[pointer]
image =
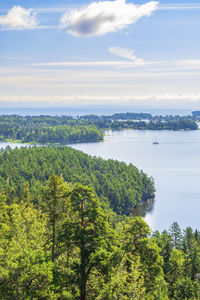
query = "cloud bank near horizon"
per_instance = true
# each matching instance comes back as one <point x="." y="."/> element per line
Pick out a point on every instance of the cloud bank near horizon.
<point x="100" y="18"/>
<point x="84" y="99"/>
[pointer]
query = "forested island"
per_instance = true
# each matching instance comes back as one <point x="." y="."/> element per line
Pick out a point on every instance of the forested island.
<point x="83" y="129"/>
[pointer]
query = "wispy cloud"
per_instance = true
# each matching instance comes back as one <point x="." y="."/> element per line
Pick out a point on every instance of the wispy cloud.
<point x="179" y="6"/>
<point x="123" y="52"/>
<point x="19" y="18"/>
<point x="126" y="53"/>
<point x="101" y="64"/>
<point x="100" y="18"/>
<point x="133" y="62"/>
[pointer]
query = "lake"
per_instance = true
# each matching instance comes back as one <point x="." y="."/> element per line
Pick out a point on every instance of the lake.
<point x="174" y="165"/>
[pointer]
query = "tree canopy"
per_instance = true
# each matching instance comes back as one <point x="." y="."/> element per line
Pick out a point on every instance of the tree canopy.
<point x="119" y="186"/>
<point x="69" y="247"/>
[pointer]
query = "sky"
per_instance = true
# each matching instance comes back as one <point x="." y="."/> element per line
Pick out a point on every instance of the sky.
<point x="119" y="52"/>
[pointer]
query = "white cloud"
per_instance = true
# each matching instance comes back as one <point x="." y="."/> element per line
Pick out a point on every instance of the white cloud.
<point x="100" y="18"/>
<point x="19" y="18"/>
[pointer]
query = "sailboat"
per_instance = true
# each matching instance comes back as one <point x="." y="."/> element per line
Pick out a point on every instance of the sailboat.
<point x="155" y="142"/>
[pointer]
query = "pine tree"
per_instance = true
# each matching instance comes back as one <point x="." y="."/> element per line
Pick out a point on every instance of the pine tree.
<point x="55" y="205"/>
<point x="86" y="227"/>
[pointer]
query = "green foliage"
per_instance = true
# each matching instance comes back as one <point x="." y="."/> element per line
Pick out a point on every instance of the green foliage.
<point x="176" y="235"/>
<point x="67" y="130"/>
<point x="186" y="289"/>
<point x="118" y="185"/>
<point x="63" y="240"/>
<point x="155" y="123"/>
<point x="47" y="129"/>
<point x="143" y="121"/>
<point x="67" y="247"/>
<point x="86" y="228"/>
<point x="25" y="272"/>
<point x="60" y="241"/>
<point x="126" y="282"/>
<point x="55" y="206"/>
<point x="138" y="244"/>
<point x="181" y="256"/>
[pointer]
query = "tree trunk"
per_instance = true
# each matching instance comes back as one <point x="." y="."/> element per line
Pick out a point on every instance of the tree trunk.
<point x="83" y="274"/>
<point x="53" y="242"/>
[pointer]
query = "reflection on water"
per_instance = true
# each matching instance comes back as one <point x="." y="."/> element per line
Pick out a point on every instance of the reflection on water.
<point x="144" y="208"/>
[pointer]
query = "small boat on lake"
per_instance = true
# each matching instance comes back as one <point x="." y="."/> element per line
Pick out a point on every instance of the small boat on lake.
<point x="155" y="142"/>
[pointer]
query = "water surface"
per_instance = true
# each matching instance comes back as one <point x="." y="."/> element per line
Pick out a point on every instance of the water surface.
<point x="174" y="165"/>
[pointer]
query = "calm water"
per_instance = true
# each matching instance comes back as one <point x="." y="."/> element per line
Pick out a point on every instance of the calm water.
<point x="97" y="110"/>
<point x="174" y="165"/>
<point x="3" y="145"/>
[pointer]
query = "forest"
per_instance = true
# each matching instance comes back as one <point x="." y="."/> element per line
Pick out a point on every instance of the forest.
<point x="118" y="185"/>
<point x="65" y="130"/>
<point x="67" y="246"/>
<point x="182" y="124"/>
<point x="47" y="129"/>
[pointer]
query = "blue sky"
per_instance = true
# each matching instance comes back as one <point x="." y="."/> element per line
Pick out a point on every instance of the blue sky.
<point x="106" y="52"/>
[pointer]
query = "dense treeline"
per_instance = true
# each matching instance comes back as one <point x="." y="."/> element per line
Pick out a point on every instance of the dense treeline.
<point x="89" y="128"/>
<point x="118" y="185"/>
<point x="68" y="247"/>
<point x="181" y="261"/>
<point x="119" y="116"/>
<point x="48" y="129"/>
<point x="63" y="134"/>
<point x="138" y="116"/>
<point x="142" y="121"/>
<point x="182" y="124"/>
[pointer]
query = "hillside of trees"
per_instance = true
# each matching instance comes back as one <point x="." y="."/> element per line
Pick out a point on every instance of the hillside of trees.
<point x="118" y="185"/>
<point x="67" y="232"/>
<point x="67" y="246"/>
